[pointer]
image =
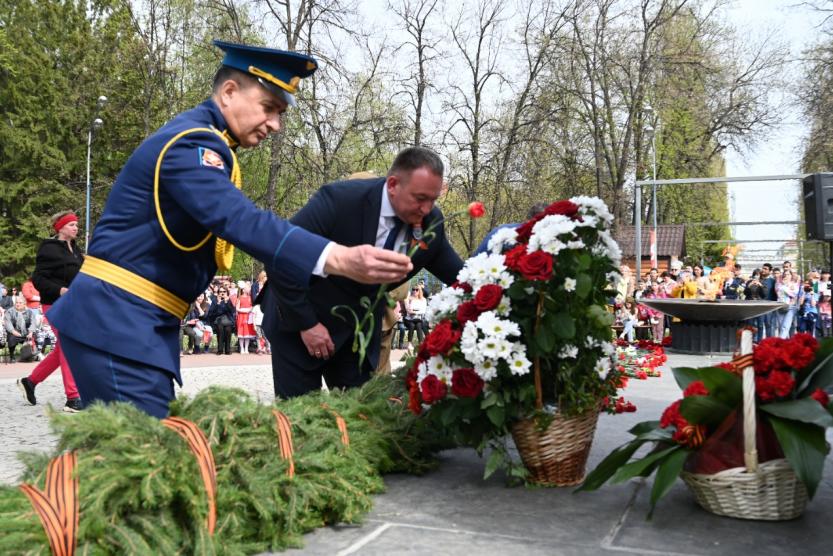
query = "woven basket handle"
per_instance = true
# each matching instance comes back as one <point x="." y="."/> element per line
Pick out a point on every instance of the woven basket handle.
<point x="750" y="448"/>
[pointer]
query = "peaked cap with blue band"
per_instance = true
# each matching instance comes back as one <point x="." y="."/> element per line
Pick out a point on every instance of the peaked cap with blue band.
<point x="277" y="70"/>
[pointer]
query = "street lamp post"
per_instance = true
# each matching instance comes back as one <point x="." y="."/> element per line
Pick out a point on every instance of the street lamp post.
<point x="95" y="125"/>
<point x="651" y="132"/>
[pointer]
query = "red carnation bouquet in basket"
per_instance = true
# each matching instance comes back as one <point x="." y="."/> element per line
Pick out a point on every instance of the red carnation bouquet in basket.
<point x="748" y="437"/>
<point x="521" y="342"/>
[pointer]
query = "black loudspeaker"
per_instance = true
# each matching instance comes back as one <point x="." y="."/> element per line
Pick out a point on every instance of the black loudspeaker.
<point x="817" y="190"/>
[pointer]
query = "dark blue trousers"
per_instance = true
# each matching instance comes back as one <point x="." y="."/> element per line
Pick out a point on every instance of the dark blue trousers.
<point x="104" y="377"/>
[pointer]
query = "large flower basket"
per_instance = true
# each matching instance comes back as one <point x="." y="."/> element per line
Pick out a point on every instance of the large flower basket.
<point x="768" y="491"/>
<point x="556" y="455"/>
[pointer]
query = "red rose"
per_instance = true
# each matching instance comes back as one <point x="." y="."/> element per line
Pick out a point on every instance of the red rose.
<point x="466" y="312"/>
<point x="488" y="297"/>
<point x="536" y="266"/>
<point x="465" y="286"/>
<point x="476" y="209"/>
<point x="566" y="208"/>
<point x="414" y="402"/>
<point x="821" y="396"/>
<point x="433" y="389"/>
<point x="512" y="257"/>
<point x="696" y="388"/>
<point x="441" y="339"/>
<point x="524" y="231"/>
<point x="465" y="383"/>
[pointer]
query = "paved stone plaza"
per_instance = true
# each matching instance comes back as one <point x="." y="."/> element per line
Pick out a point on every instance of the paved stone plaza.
<point x="453" y="511"/>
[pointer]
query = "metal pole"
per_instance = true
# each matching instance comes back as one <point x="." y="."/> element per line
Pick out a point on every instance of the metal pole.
<point x="654" y="174"/>
<point x="637" y="209"/>
<point x="87" y="211"/>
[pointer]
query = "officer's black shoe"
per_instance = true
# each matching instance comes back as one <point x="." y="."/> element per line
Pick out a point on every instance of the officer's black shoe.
<point x="73" y="405"/>
<point x="28" y="388"/>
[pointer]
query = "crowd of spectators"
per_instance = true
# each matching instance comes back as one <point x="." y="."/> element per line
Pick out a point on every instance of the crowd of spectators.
<point x="807" y="301"/>
<point x="24" y="330"/>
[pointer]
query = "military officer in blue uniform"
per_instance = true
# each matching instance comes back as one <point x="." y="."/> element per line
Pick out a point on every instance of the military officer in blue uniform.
<point x="169" y="223"/>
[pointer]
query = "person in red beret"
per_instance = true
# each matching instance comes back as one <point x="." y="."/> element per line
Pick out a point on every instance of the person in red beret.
<point x="57" y="262"/>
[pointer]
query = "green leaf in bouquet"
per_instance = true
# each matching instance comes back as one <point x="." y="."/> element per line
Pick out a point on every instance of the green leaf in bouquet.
<point x="583" y="285"/>
<point x="805" y="448"/>
<point x="565" y="326"/>
<point x="643" y="427"/>
<point x="489" y="400"/>
<point x="450" y="413"/>
<point x="517" y="291"/>
<point x="601" y="316"/>
<point x="667" y="473"/>
<point x="583" y="261"/>
<point x="820" y="373"/>
<point x="494" y="463"/>
<point x="497" y="415"/>
<point x="545" y="339"/>
<point x="659" y="435"/>
<point x="720" y="383"/>
<point x="704" y="410"/>
<point x="806" y="410"/>
<point x="608" y="466"/>
<point x="640" y="466"/>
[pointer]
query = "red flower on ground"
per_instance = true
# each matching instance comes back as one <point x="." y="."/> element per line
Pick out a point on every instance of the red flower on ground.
<point x="536" y="266"/>
<point x="565" y="208"/>
<point x="488" y="297"/>
<point x="466" y="312"/>
<point x="476" y="209"/>
<point x="465" y="383"/>
<point x="821" y="396"/>
<point x="441" y="339"/>
<point x="433" y="389"/>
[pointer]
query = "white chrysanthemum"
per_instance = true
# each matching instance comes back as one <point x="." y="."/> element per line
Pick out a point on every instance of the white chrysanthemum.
<point x="485" y="268"/>
<point x="546" y="232"/>
<point x="587" y="221"/>
<point x="439" y="367"/>
<point x="518" y="363"/>
<point x="603" y="366"/>
<point x="591" y="342"/>
<point x="468" y="342"/>
<point x="504" y="308"/>
<point x="492" y="325"/>
<point x="443" y="303"/>
<point x="486" y="369"/>
<point x="490" y="347"/>
<point x="505" y="279"/>
<point x="575" y="244"/>
<point x="613" y="277"/>
<point x="608" y="348"/>
<point x="569" y="284"/>
<point x="501" y="239"/>
<point x="612" y="248"/>
<point x="568" y="352"/>
<point x="590" y="205"/>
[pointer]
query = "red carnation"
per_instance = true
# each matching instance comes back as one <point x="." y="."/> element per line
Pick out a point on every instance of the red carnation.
<point x="777" y="384"/>
<point x="465" y="383"/>
<point x="800" y="351"/>
<point x="488" y="297"/>
<point x="696" y="388"/>
<point x="566" y="208"/>
<point x="536" y="266"/>
<point x="433" y="389"/>
<point x="821" y="396"/>
<point x="414" y="402"/>
<point x="769" y="355"/>
<point x="466" y="312"/>
<point x="671" y="416"/>
<point x="476" y="209"/>
<point x="441" y="339"/>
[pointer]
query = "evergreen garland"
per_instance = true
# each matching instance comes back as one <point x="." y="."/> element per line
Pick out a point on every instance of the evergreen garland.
<point x="140" y="489"/>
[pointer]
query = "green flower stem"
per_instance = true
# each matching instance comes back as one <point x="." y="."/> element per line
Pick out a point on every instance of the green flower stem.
<point x="536" y="361"/>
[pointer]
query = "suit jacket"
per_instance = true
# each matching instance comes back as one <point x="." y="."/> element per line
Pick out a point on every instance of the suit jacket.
<point x="346" y="212"/>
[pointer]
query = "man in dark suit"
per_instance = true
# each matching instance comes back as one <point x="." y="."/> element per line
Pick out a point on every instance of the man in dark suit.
<point x="308" y="341"/>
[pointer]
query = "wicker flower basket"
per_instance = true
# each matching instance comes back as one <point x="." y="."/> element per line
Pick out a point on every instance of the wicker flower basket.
<point x="556" y="456"/>
<point x="768" y="491"/>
